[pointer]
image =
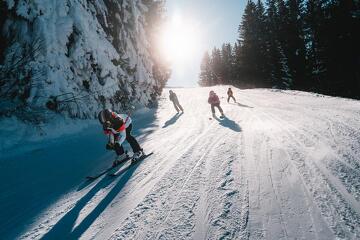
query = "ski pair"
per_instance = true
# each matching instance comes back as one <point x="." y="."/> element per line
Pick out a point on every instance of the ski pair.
<point x="133" y="161"/>
<point x="108" y="169"/>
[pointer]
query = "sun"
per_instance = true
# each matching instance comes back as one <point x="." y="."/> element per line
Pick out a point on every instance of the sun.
<point x="180" y="39"/>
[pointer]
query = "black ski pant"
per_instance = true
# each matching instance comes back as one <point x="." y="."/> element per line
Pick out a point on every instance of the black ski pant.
<point x="231" y="96"/>
<point x="131" y="140"/>
<point x="218" y="106"/>
<point x="177" y="106"/>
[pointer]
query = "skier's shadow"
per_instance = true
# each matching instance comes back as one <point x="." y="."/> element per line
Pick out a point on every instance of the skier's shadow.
<point x="226" y="122"/>
<point x="64" y="228"/>
<point x="241" y="105"/>
<point x="172" y="120"/>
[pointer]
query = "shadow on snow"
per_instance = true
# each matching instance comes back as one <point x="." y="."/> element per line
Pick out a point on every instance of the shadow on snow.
<point x="64" y="228"/>
<point x="241" y="105"/>
<point x="42" y="177"/>
<point x="172" y="120"/>
<point x="231" y="124"/>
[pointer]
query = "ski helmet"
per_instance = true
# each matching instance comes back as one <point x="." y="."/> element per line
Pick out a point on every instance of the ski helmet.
<point x="104" y="115"/>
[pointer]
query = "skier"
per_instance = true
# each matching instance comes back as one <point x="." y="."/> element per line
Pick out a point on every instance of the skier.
<point x="230" y="95"/>
<point x="175" y="101"/>
<point x="215" y="102"/>
<point x="118" y="127"/>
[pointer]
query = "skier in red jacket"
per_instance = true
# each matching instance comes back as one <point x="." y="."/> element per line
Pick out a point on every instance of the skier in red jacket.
<point x="118" y="127"/>
<point x="214" y="101"/>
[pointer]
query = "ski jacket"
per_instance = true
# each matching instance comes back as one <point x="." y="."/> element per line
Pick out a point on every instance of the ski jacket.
<point x="173" y="97"/>
<point x="117" y="130"/>
<point x="213" y="99"/>
<point x="229" y="92"/>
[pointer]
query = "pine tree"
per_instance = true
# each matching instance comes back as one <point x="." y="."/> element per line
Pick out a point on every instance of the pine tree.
<point x="295" y="43"/>
<point x="226" y="58"/>
<point x="333" y="49"/>
<point x="341" y="47"/>
<point x="248" y="44"/>
<point x="216" y="67"/>
<point x="260" y="44"/>
<point x="273" y="56"/>
<point x="237" y="65"/>
<point x="206" y="76"/>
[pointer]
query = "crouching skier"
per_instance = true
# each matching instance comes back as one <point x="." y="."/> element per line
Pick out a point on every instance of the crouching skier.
<point x="118" y="127"/>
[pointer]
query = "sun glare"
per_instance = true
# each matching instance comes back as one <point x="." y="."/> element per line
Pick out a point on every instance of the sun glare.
<point x="180" y="39"/>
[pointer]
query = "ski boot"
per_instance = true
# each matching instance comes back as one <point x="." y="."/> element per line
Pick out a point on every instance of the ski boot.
<point x="137" y="155"/>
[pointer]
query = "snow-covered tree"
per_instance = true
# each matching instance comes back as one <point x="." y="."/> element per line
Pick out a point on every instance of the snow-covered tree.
<point x="75" y="57"/>
<point x="206" y="75"/>
<point x="297" y="44"/>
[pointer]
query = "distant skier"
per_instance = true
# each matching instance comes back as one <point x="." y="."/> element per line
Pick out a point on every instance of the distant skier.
<point x="175" y="101"/>
<point x="215" y="102"/>
<point x="230" y="95"/>
<point x="118" y="127"/>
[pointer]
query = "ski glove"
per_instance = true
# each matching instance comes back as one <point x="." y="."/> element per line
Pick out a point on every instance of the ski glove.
<point x="109" y="146"/>
<point x="106" y="125"/>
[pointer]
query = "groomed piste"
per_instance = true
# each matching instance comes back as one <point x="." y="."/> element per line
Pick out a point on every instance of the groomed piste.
<point x="280" y="165"/>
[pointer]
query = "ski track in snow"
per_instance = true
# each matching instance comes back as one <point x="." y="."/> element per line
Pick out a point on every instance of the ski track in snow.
<point x="282" y="165"/>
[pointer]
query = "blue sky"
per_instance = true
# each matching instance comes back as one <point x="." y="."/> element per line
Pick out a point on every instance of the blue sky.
<point x="217" y="22"/>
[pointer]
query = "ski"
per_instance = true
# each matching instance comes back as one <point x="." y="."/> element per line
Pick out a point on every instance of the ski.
<point x="107" y="170"/>
<point x="133" y="162"/>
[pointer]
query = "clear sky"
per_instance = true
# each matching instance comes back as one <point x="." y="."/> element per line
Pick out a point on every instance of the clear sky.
<point x="194" y="27"/>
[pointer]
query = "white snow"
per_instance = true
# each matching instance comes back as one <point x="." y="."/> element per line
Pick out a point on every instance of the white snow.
<point x="281" y="165"/>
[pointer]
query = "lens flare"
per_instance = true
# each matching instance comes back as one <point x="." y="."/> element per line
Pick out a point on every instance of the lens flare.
<point x="180" y="39"/>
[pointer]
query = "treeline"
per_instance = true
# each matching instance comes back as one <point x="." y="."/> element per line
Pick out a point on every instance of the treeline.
<point x="309" y="45"/>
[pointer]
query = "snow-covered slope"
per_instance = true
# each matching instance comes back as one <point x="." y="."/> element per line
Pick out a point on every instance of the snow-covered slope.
<point x="281" y="165"/>
<point x="74" y="57"/>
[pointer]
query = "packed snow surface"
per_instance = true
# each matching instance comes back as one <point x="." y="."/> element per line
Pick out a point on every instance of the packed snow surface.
<point x="281" y="165"/>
